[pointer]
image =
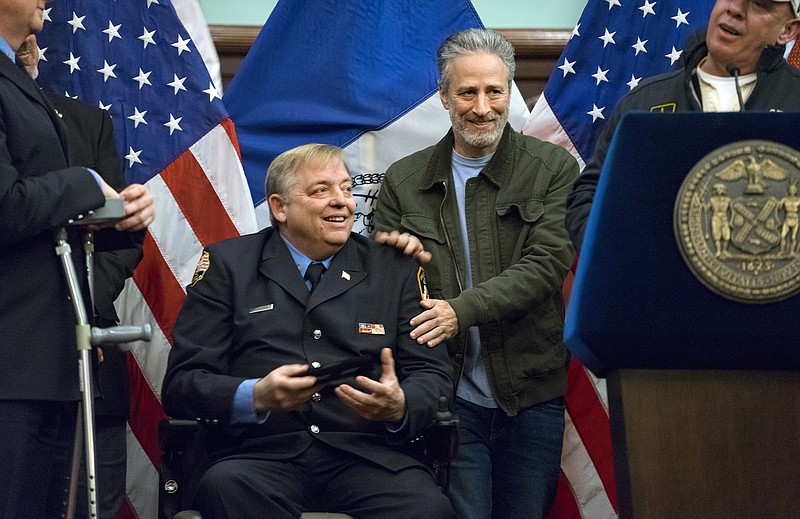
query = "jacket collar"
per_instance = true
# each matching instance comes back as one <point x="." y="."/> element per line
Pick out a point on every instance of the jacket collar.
<point x="346" y="270"/>
<point x="771" y="57"/>
<point x="440" y="166"/>
<point x="28" y="86"/>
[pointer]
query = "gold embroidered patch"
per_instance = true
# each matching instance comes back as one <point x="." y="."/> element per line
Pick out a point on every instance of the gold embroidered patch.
<point x="665" y="108"/>
<point x="202" y="267"/>
<point x="423" y="285"/>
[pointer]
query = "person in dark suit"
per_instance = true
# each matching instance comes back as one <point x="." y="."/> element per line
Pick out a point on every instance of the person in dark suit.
<point x="279" y="442"/>
<point x="39" y="192"/>
<point x="90" y="142"/>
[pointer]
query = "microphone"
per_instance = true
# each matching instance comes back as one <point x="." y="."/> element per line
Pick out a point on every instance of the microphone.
<point x="734" y="71"/>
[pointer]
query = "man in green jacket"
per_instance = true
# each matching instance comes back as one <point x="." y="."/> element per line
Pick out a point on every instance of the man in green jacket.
<point x="488" y="203"/>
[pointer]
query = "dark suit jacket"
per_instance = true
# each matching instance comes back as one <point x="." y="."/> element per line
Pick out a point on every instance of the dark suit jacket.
<point x="251" y="313"/>
<point x="90" y="141"/>
<point x="38" y="193"/>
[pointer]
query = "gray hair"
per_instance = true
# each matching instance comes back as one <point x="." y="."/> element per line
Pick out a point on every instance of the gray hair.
<point x="473" y="41"/>
<point x="281" y="176"/>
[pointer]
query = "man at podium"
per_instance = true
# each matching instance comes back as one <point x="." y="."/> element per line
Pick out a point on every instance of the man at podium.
<point x="738" y="66"/>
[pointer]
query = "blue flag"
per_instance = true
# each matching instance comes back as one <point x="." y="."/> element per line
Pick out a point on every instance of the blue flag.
<point x="328" y="71"/>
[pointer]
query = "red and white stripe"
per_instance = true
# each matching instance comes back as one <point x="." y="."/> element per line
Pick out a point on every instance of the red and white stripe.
<point x="586" y="488"/>
<point x="201" y="198"/>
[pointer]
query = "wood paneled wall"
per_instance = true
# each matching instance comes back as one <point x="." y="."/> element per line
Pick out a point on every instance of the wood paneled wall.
<point x="537" y="51"/>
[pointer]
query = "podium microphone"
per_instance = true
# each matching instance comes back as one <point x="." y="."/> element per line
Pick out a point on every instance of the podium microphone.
<point x="734" y="71"/>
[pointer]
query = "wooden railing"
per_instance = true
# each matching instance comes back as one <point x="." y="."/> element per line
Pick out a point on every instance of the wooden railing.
<point x="537" y="51"/>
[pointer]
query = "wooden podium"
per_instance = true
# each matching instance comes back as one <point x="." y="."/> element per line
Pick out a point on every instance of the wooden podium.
<point x="704" y="391"/>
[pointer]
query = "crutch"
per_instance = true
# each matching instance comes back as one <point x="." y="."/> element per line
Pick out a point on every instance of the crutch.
<point x="86" y="337"/>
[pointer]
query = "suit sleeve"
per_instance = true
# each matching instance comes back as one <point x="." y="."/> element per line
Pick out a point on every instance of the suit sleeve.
<point x="197" y="381"/>
<point x="35" y="204"/>
<point x="425" y="374"/>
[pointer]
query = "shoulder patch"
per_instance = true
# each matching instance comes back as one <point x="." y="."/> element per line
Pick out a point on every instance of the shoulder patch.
<point x="423" y="285"/>
<point x="665" y="108"/>
<point x="202" y="267"/>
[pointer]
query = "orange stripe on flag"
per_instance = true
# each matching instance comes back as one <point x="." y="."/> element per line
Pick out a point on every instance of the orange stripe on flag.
<point x="147" y="410"/>
<point x="159" y="287"/>
<point x="198" y="200"/>
<point x="229" y="127"/>
<point x="592" y="423"/>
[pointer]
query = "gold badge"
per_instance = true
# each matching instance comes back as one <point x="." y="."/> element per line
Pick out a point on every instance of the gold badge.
<point x="423" y="285"/>
<point x="736" y="221"/>
<point x="202" y="266"/>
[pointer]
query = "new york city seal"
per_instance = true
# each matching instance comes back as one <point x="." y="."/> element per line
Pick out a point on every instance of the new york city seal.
<point x="736" y="221"/>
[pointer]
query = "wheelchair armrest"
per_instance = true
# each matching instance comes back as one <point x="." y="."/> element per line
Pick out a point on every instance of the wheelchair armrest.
<point x="441" y="437"/>
<point x="174" y="435"/>
<point x="176" y="438"/>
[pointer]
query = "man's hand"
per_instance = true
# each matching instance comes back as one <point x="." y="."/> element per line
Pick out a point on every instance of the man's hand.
<point x="385" y="401"/>
<point x="436" y="324"/>
<point x="139" y="209"/>
<point x="408" y="243"/>
<point x="283" y="389"/>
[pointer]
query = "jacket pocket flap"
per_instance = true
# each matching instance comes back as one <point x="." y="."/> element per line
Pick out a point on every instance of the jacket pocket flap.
<point x="529" y="210"/>
<point x="423" y="226"/>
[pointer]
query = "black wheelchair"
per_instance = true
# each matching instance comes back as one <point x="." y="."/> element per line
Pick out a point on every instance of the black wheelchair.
<point x="180" y="452"/>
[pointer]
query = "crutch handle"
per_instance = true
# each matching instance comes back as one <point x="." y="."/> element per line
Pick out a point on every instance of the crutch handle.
<point x="121" y="334"/>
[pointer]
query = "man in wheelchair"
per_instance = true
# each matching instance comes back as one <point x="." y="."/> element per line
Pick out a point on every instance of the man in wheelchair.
<point x="293" y="352"/>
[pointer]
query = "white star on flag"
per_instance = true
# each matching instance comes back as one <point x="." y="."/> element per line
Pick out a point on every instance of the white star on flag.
<point x="182" y="45"/>
<point x="143" y="78"/>
<point x="73" y="63"/>
<point x="596" y="113"/>
<point x="173" y="124"/>
<point x="566" y="67"/>
<point x="674" y="56"/>
<point x="41" y="53"/>
<point x="600" y="75"/>
<point x="76" y="22"/>
<point x="107" y="71"/>
<point x="612" y="3"/>
<point x="133" y="157"/>
<point x="137" y="117"/>
<point x="147" y="37"/>
<point x="608" y="37"/>
<point x="647" y="8"/>
<point x="177" y="83"/>
<point x="639" y="46"/>
<point x="680" y="18"/>
<point x="112" y="31"/>
<point x="212" y="92"/>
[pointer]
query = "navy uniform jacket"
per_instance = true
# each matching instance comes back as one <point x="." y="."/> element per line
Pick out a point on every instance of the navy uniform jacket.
<point x="251" y="313"/>
<point x="38" y="193"/>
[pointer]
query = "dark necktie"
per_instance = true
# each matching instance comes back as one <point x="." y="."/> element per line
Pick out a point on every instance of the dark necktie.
<point x="314" y="274"/>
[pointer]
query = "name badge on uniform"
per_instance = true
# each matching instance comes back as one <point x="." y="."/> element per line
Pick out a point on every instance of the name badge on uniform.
<point x="371" y="329"/>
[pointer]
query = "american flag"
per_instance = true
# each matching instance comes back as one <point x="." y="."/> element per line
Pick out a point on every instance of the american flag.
<point x="615" y="44"/>
<point x="135" y="59"/>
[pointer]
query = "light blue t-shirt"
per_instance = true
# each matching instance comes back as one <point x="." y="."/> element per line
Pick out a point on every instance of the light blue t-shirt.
<point x="474" y="385"/>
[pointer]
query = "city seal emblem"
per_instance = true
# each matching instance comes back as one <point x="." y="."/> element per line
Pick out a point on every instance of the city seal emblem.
<point x="736" y="220"/>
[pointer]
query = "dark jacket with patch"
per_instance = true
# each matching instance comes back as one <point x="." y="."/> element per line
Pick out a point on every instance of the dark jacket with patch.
<point x="777" y="89"/>
<point x="520" y="256"/>
<point x="251" y="312"/>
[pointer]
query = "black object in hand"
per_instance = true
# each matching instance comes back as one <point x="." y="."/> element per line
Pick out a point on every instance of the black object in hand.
<point x="337" y="372"/>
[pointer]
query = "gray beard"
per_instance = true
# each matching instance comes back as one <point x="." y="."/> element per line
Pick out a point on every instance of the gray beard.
<point x="479" y="139"/>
